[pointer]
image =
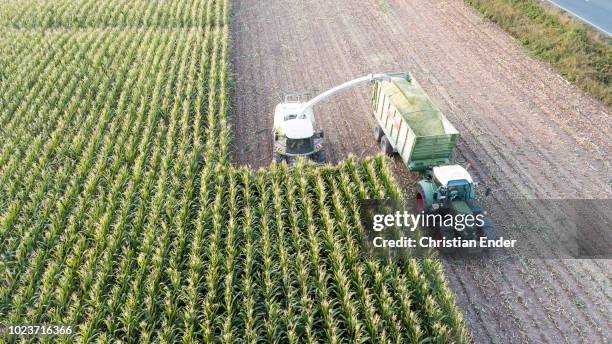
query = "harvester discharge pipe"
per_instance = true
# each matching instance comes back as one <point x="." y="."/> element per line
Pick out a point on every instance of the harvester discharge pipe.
<point x="368" y="78"/>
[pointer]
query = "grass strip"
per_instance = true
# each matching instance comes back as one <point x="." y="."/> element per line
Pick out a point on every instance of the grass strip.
<point x="578" y="52"/>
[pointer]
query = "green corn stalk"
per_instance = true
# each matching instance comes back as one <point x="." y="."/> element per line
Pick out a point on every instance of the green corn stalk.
<point x="120" y="213"/>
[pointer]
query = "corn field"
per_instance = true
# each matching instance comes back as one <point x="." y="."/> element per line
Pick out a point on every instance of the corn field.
<point x="121" y="214"/>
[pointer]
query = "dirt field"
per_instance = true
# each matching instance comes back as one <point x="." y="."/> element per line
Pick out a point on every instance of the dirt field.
<point x="525" y="131"/>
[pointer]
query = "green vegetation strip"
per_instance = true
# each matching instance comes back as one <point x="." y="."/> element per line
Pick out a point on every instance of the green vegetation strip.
<point x="577" y="52"/>
<point x="121" y="214"/>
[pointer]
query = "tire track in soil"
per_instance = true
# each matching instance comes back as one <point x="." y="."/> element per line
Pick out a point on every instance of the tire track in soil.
<point x="508" y="77"/>
<point x="460" y="61"/>
<point x="582" y="120"/>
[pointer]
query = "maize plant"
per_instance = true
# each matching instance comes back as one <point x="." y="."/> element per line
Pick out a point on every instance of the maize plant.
<point x="120" y="213"/>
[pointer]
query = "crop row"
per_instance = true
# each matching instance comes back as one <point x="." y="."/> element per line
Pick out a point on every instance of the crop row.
<point x="113" y="13"/>
<point x="98" y="124"/>
<point x="120" y="212"/>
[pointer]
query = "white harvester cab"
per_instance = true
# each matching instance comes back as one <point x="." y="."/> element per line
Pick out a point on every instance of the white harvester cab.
<point x="290" y="122"/>
<point x="294" y="132"/>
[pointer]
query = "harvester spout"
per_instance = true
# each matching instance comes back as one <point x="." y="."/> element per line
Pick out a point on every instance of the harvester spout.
<point x="344" y="86"/>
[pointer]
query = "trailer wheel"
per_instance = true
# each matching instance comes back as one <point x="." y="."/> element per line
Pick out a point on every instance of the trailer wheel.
<point x="378" y="133"/>
<point x="385" y="145"/>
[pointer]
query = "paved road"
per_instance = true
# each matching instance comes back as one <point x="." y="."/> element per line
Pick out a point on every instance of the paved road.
<point x="597" y="13"/>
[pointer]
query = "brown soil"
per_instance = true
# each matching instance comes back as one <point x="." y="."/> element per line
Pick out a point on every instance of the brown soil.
<point x="525" y="131"/>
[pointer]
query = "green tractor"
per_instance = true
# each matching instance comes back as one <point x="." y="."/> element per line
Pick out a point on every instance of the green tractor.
<point x="450" y="190"/>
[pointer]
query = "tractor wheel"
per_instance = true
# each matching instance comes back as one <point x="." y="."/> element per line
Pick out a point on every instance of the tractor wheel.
<point x="488" y="230"/>
<point x="447" y="233"/>
<point x="378" y="133"/>
<point x="385" y="145"/>
<point x="420" y="201"/>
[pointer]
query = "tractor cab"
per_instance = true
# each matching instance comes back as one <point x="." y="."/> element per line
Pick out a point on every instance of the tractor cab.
<point x="453" y="183"/>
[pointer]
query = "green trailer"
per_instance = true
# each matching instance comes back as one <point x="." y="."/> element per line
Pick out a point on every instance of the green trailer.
<point x="410" y="124"/>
